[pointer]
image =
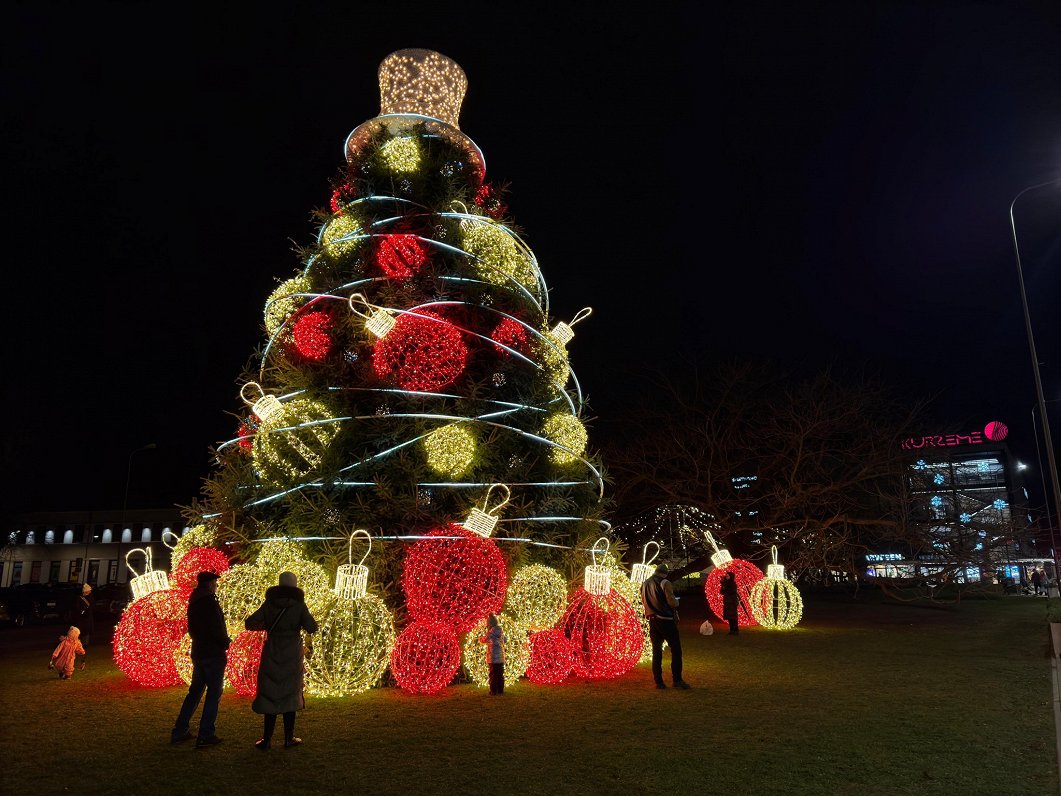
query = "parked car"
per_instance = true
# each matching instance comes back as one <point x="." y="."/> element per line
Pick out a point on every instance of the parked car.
<point x="111" y="598"/>
<point x="39" y="602"/>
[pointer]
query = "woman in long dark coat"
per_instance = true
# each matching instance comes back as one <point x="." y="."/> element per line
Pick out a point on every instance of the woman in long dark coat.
<point x="730" y="599"/>
<point x="284" y="616"/>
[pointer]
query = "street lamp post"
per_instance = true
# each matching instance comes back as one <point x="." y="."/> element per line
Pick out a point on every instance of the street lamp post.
<point x="125" y="500"/>
<point x="1048" y="439"/>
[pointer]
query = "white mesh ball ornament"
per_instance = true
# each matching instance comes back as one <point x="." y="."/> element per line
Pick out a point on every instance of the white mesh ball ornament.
<point x="775" y="601"/>
<point x="482" y="521"/>
<point x="378" y="321"/>
<point x="351" y="580"/>
<point x="639" y="573"/>
<point x="598" y="579"/>
<point x="150" y="580"/>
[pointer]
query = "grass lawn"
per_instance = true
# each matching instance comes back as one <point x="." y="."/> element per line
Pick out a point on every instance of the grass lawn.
<point x="861" y="698"/>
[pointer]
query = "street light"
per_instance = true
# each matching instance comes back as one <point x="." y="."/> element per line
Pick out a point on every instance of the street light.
<point x="125" y="500"/>
<point x="1050" y="459"/>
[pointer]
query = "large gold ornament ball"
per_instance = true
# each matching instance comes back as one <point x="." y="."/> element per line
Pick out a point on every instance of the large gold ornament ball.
<point x="537" y="596"/>
<point x="353" y="647"/>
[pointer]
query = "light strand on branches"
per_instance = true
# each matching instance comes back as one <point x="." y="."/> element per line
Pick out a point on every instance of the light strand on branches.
<point x="148" y="581"/>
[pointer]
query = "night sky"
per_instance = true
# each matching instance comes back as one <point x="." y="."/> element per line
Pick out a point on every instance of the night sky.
<point x="809" y="183"/>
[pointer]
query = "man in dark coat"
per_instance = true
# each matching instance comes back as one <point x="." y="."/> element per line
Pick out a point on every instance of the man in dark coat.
<point x="661" y="609"/>
<point x="206" y="626"/>
<point x="730" y="601"/>
<point x="284" y="616"/>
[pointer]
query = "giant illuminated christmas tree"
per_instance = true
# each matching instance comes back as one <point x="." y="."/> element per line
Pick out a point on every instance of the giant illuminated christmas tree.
<point x="412" y="383"/>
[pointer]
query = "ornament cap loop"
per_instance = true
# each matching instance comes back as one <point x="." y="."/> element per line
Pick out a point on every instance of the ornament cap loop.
<point x="644" y="552"/>
<point x="499" y="506"/>
<point x="593" y="549"/>
<point x="359" y="299"/>
<point x="707" y="535"/>
<point x="350" y="546"/>
<point x="773" y="552"/>
<point x="379" y="322"/>
<point x="166" y="533"/>
<point x="243" y="393"/>
<point x="581" y="315"/>
<point x="147" y="560"/>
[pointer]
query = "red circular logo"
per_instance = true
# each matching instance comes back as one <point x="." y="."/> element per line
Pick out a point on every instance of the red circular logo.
<point x="996" y="431"/>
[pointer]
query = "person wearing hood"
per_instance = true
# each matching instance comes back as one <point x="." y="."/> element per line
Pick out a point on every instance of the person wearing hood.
<point x="283" y="615"/>
<point x="206" y="626"/>
<point x="66" y="653"/>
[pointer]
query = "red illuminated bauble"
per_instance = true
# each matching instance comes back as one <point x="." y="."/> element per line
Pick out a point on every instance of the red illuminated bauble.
<point x="552" y="657"/>
<point x="247" y="429"/>
<point x="345" y="193"/>
<point x="198" y="559"/>
<point x="311" y="335"/>
<point x="996" y="431"/>
<point x="511" y="334"/>
<point x="747" y="576"/>
<point x="244" y="655"/>
<point x="605" y="632"/>
<point x="487" y="198"/>
<point x="422" y="352"/>
<point x="425" y="657"/>
<point x="454" y="576"/>
<point x="147" y="635"/>
<point x="400" y="256"/>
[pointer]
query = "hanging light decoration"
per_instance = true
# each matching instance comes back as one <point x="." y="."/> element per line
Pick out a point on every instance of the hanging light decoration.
<point x="356" y="638"/>
<point x="537" y="596"/>
<point x="622" y="582"/>
<point x="569" y="435"/>
<point x="311" y="335"/>
<point x="285" y="301"/>
<point x="454" y="576"/>
<point x="148" y="581"/>
<point x="639" y="573"/>
<point x="602" y="625"/>
<point x="497" y="257"/>
<point x="341" y="236"/>
<point x="746" y="575"/>
<point x="517" y="651"/>
<point x="450" y="450"/>
<point x="554" y="348"/>
<point x="482" y="521"/>
<point x="512" y="334"/>
<point x="775" y="601"/>
<point x="552" y="657"/>
<point x="399" y="256"/>
<point x="425" y="657"/>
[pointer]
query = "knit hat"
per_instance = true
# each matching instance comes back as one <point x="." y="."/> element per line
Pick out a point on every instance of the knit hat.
<point x="205" y="577"/>
<point x="288" y="579"/>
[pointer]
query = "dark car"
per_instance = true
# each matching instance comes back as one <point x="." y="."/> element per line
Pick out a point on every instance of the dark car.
<point x="111" y="598"/>
<point x="38" y="602"/>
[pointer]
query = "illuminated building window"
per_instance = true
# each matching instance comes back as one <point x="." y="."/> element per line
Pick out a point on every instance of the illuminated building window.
<point x="31" y="537"/>
<point x="145" y="535"/>
<point x="127" y="536"/>
<point x="107" y="536"/>
<point x="49" y="537"/>
<point x="68" y="537"/>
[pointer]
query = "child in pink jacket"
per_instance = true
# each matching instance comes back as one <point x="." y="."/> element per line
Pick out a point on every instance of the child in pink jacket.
<point x="66" y="653"/>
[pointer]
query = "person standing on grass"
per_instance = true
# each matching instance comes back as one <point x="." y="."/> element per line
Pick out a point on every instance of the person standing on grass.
<point x="730" y="601"/>
<point x="495" y="653"/>
<point x="661" y="609"/>
<point x="283" y="615"/>
<point x="206" y="626"/>
<point x="65" y="655"/>
<point x="84" y="613"/>
<point x="1037" y="580"/>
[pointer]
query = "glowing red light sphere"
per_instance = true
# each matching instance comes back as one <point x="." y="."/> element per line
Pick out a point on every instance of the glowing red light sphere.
<point x="552" y="657"/>
<point x="342" y="195"/>
<point x="996" y="431"/>
<point x="244" y="655"/>
<point x="605" y="632"/>
<point x="454" y="576"/>
<point x="425" y="657"/>
<point x="198" y="559"/>
<point x="147" y="635"/>
<point x="747" y="575"/>
<point x="247" y="429"/>
<point x="421" y="353"/>
<point x="311" y="335"/>
<point x="512" y="334"/>
<point x="400" y="256"/>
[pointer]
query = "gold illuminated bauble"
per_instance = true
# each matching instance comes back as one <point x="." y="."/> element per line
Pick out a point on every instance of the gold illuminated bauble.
<point x="554" y="360"/>
<point x="353" y="647"/>
<point x="241" y="590"/>
<point x="537" y="597"/>
<point x="517" y="651"/>
<point x="290" y="445"/>
<point x="401" y="155"/>
<point x="283" y="302"/>
<point x="776" y="603"/>
<point x="498" y="257"/>
<point x="196" y="536"/>
<point x="342" y="236"/>
<point x="568" y="432"/>
<point x="450" y="450"/>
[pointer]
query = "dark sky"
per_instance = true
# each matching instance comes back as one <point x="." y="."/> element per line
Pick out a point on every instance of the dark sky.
<point x="811" y="183"/>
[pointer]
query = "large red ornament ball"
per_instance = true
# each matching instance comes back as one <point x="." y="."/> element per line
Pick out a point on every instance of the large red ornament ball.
<point x="244" y="655"/>
<point x="400" y="256"/>
<point x="425" y="657"/>
<point x="454" y="576"/>
<point x="747" y="576"/>
<point x="552" y="657"/>
<point x="147" y="635"/>
<point x="422" y="352"/>
<point x="511" y="334"/>
<point x="311" y="336"/>
<point x="605" y="632"/>
<point x="199" y="559"/>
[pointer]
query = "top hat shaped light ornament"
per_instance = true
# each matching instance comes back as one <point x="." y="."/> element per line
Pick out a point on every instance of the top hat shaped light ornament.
<point x="419" y="87"/>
